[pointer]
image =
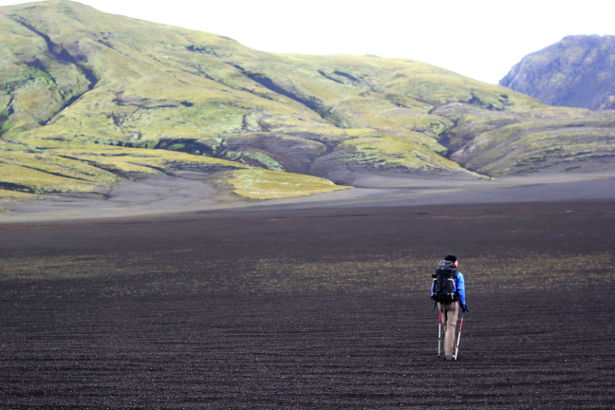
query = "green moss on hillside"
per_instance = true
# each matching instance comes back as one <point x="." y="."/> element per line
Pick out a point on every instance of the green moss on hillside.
<point x="88" y="99"/>
<point x="264" y="184"/>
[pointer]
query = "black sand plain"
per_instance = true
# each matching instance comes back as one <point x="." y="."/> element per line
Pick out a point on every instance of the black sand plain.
<point x="321" y="308"/>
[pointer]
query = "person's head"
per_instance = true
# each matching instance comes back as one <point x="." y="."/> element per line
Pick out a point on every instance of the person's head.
<point x="452" y="258"/>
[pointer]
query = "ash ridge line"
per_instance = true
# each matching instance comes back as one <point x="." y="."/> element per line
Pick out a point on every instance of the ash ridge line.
<point x="310" y="102"/>
<point x="64" y="56"/>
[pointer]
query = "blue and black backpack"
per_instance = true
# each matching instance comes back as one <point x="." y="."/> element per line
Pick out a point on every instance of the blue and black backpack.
<point x="444" y="289"/>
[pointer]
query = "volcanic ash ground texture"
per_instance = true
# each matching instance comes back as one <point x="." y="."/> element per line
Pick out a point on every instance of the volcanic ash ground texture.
<point x="309" y="309"/>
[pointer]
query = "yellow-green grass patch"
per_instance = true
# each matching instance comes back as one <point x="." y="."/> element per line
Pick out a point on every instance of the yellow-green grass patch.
<point x="256" y="183"/>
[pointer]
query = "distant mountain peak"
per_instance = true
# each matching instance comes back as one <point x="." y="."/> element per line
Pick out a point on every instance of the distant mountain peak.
<point x="578" y="71"/>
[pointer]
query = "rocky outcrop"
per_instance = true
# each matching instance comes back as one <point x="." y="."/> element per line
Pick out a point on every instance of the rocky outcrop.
<point x="578" y="71"/>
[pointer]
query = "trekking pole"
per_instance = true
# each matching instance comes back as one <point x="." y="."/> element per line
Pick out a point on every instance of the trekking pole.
<point x="458" y="337"/>
<point x="439" y="332"/>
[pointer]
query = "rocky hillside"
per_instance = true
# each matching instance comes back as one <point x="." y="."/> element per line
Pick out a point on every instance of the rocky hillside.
<point x="88" y="99"/>
<point x="579" y="71"/>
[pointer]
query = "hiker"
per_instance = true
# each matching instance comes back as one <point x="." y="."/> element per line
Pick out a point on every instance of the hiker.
<point x="448" y="291"/>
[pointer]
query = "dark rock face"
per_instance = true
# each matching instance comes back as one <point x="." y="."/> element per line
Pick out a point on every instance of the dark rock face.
<point x="578" y="71"/>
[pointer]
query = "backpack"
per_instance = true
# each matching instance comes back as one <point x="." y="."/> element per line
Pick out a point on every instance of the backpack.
<point x="444" y="288"/>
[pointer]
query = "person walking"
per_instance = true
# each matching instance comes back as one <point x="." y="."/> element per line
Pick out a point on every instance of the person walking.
<point x="449" y="292"/>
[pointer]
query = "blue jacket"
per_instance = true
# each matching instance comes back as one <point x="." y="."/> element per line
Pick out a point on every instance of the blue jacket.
<point x="460" y="288"/>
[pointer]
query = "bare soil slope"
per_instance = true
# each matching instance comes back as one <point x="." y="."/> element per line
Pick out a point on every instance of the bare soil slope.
<point x="190" y="192"/>
<point x="309" y="309"/>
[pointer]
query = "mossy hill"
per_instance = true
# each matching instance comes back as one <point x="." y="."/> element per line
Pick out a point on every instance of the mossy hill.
<point x="88" y="99"/>
<point x="578" y="71"/>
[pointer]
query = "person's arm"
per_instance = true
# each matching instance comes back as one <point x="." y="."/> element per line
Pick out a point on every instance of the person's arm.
<point x="461" y="289"/>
